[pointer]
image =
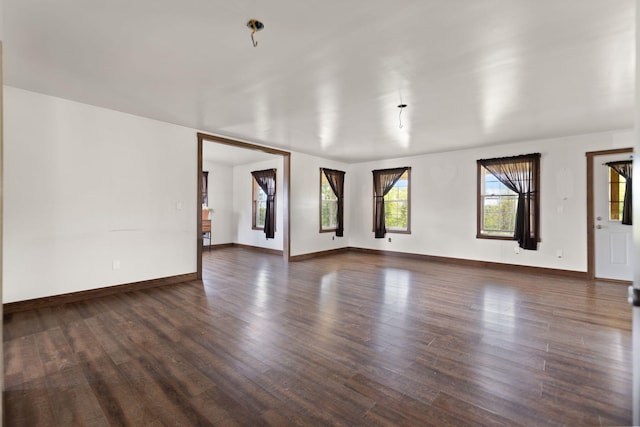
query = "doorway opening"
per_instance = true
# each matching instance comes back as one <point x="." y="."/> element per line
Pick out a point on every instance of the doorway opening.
<point x="608" y="256"/>
<point x="286" y="162"/>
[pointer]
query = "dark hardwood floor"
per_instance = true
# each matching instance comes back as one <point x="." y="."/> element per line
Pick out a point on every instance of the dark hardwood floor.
<point x="349" y="339"/>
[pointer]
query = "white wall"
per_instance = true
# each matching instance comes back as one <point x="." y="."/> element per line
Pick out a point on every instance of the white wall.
<point x="305" y="212"/>
<point x="443" y="203"/>
<point x="221" y="201"/>
<point x="242" y="201"/>
<point x="234" y="225"/>
<point x="85" y="186"/>
<point x="63" y="231"/>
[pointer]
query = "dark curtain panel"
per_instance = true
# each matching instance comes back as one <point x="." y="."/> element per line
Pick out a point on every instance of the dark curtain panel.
<point x="383" y="182"/>
<point x="266" y="179"/>
<point x="521" y="175"/>
<point x="205" y="188"/>
<point x="625" y="169"/>
<point x="336" y="181"/>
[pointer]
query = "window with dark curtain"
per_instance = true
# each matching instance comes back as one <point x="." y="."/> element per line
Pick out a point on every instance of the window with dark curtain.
<point x="266" y="179"/>
<point x="259" y="206"/>
<point x="625" y="169"/>
<point x="521" y="174"/>
<point x="336" y="181"/>
<point x="205" y="188"/>
<point x="383" y="182"/>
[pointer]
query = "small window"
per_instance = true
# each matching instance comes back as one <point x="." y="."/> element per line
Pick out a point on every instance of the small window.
<point x="397" y="212"/>
<point x="498" y="207"/>
<point x="617" y="188"/>
<point x="205" y="189"/>
<point x="259" y="206"/>
<point x="620" y="203"/>
<point x="328" y="205"/>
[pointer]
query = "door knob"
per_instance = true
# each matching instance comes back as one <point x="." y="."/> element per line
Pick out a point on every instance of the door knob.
<point x="598" y="226"/>
<point x="599" y="218"/>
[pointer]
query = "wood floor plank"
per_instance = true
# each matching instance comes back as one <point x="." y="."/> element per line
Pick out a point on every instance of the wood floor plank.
<point x="28" y="405"/>
<point x="471" y="414"/>
<point x="22" y="362"/>
<point x="348" y="339"/>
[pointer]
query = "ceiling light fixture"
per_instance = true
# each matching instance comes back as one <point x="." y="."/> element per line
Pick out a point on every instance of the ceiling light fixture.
<point x="256" y="26"/>
<point x="401" y="107"/>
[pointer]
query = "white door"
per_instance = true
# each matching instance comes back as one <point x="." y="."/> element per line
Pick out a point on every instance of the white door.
<point x="613" y="240"/>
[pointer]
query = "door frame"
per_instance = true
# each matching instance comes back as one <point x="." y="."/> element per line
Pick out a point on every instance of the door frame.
<point x="286" y="160"/>
<point x="591" y="239"/>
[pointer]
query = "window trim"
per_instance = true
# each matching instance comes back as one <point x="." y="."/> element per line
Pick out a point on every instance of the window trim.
<point x="479" y="209"/>
<point x="373" y="210"/>
<point x="408" y="230"/>
<point x="325" y="230"/>
<point x="254" y="200"/>
<point x="536" y="177"/>
<point x="614" y="196"/>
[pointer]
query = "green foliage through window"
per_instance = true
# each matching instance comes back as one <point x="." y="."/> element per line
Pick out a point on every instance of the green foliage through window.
<point x="329" y="205"/>
<point x="498" y="207"/>
<point x="259" y="206"/>
<point x="396" y="205"/>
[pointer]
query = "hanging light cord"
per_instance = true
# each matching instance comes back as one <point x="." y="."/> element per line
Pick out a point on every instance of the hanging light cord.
<point x="401" y="107"/>
<point x="253" y="24"/>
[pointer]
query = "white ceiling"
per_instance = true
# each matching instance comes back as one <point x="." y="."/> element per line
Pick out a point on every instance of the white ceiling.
<point x="327" y="76"/>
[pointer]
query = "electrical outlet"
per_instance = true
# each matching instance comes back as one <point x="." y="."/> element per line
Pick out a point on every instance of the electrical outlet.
<point x="389" y="239"/>
<point x="116" y="264"/>
<point x="559" y="253"/>
<point x="516" y="249"/>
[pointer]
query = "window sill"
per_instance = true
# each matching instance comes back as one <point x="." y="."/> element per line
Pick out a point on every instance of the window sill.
<point x="327" y="230"/>
<point x="399" y="231"/>
<point x="257" y="228"/>
<point x="488" y="237"/>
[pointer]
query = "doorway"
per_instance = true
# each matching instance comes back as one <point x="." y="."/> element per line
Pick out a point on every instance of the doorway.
<point x="286" y="159"/>
<point x="609" y="242"/>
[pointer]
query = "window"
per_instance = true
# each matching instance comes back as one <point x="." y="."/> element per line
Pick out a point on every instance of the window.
<point x="508" y="199"/>
<point x="332" y="201"/>
<point x="396" y="205"/>
<point x="264" y="202"/>
<point x="617" y="186"/>
<point x="620" y="189"/>
<point x="498" y="213"/>
<point x="205" y="189"/>
<point x="391" y="201"/>
<point x="328" y="205"/>
<point x="259" y="207"/>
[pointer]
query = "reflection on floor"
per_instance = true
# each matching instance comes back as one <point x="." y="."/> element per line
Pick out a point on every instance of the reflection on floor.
<point x="350" y="339"/>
